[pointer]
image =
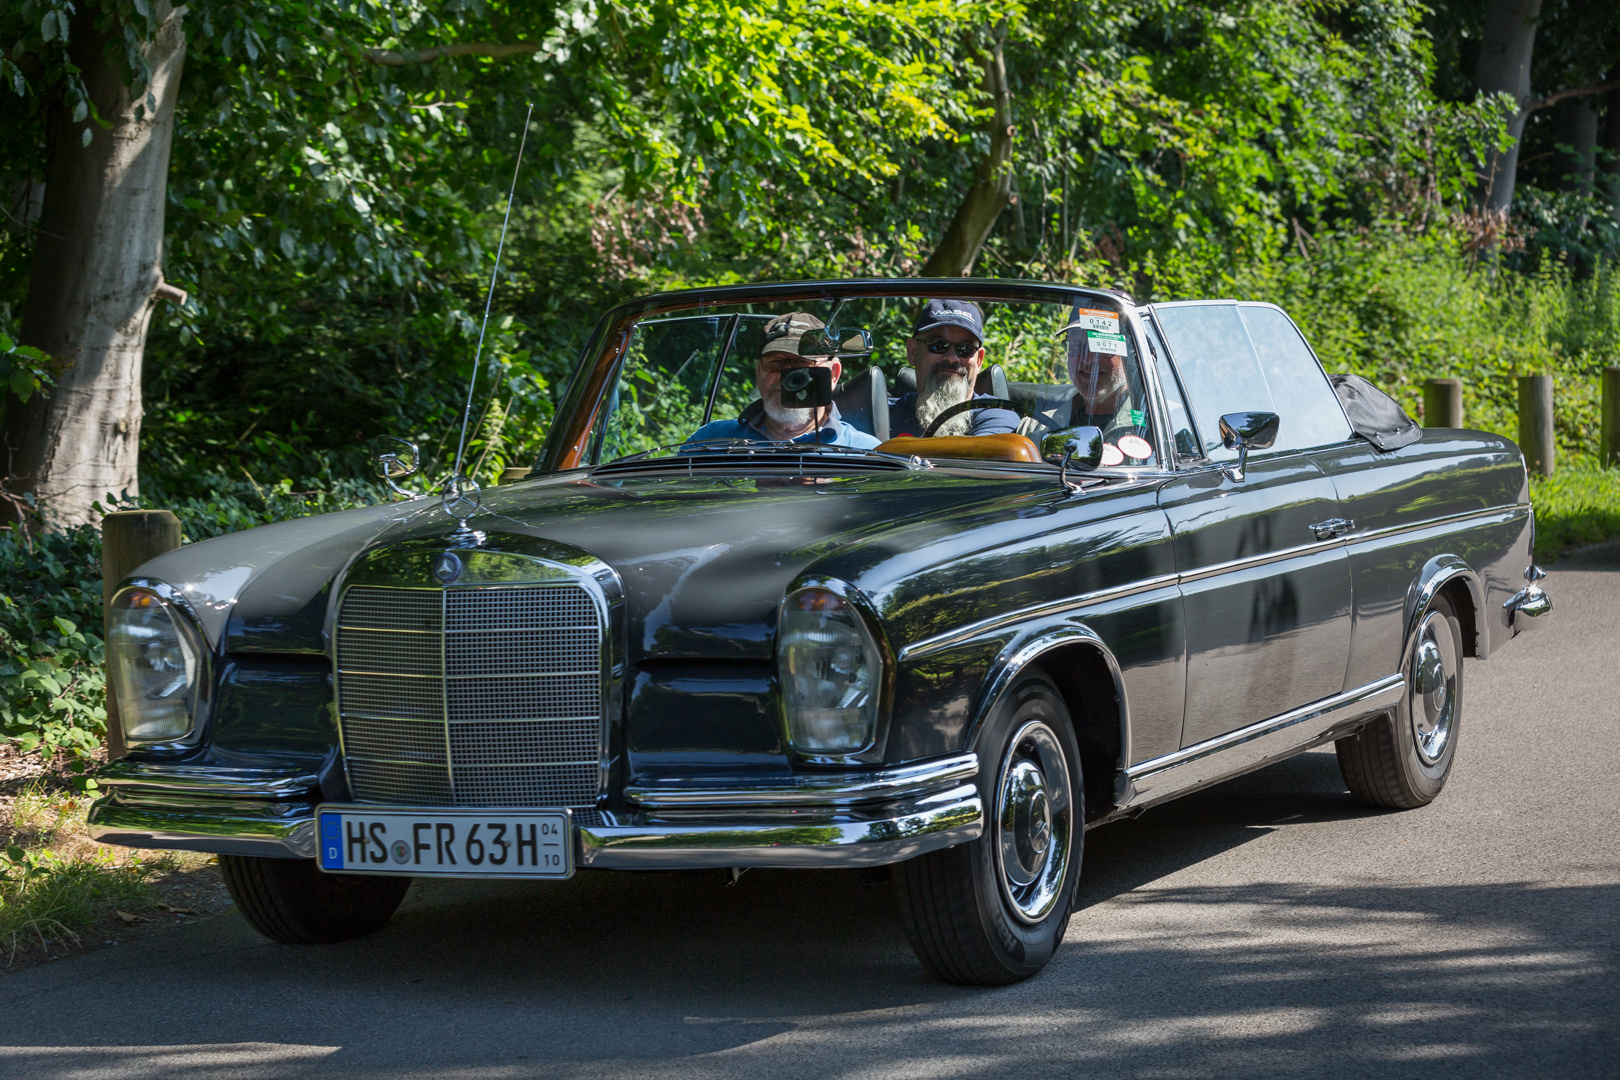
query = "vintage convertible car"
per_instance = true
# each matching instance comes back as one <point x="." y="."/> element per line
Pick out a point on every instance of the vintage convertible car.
<point x="948" y="656"/>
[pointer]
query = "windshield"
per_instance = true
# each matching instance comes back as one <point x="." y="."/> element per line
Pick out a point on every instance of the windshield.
<point x="856" y="371"/>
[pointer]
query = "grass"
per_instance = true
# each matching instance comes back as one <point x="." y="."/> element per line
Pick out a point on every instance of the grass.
<point x="1579" y="504"/>
<point x="56" y="882"/>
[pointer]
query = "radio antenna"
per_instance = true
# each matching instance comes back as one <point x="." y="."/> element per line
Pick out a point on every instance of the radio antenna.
<point x="457" y="481"/>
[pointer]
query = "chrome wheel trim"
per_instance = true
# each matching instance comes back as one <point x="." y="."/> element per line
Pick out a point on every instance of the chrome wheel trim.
<point x="1034" y="821"/>
<point x="1432" y="696"/>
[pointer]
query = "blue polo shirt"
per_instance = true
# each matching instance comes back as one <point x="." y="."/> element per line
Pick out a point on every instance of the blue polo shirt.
<point x="751" y="426"/>
<point x="990" y="421"/>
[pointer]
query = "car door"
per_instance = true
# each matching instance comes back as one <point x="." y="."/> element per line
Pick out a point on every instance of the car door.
<point x="1267" y="600"/>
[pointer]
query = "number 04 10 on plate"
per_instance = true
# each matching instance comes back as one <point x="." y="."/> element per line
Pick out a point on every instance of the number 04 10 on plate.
<point x="447" y="843"/>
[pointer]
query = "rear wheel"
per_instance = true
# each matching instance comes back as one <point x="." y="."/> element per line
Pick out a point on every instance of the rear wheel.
<point x="290" y="901"/>
<point x="992" y="911"/>
<point x="1402" y="761"/>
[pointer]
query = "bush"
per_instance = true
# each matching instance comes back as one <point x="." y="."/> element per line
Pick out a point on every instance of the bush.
<point x="52" y="689"/>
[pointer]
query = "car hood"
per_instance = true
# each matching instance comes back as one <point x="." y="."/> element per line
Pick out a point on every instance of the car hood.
<point x="704" y="560"/>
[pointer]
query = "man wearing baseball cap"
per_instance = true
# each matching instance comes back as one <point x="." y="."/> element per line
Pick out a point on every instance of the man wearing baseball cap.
<point x="946" y="349"/>
<point x="768" y="419"/>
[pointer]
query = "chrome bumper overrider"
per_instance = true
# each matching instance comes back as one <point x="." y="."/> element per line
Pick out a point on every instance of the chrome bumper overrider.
<point x="850" y="819"/>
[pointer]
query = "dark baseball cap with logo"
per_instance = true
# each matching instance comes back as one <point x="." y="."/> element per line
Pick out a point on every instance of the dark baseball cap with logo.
<point x="937" y="313"/>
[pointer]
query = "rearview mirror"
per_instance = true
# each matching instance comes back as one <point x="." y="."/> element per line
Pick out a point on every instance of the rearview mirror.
<point x="1081" y="446"/>
<point x="836" y="341"/>
<point x="1245" y="431"/>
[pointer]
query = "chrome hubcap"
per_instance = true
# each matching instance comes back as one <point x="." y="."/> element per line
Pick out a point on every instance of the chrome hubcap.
<point x="1434" y="687"/>
<point x="1034" y="821"/>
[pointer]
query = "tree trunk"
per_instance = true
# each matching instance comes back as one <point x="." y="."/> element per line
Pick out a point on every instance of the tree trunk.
<point x="1609" y="141"/>
<point x="96" y="267"/>
<point x="992" y="188"/>
<point x="1504" y="67"/>
<point x="1578" y="128"/>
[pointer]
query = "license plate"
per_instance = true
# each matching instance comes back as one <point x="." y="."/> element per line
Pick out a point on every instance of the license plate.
<point x="447" y="843"/>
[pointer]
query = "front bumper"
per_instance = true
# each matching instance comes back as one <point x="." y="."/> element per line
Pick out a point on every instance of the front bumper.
<point x="840" y="820"/>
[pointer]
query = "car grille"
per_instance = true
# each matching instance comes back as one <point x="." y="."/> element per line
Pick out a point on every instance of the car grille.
<point x="471" y="696"/>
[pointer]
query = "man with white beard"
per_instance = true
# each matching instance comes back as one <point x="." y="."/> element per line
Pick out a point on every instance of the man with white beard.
<point x="946" y="349"/>
<point x="767" y="419"/>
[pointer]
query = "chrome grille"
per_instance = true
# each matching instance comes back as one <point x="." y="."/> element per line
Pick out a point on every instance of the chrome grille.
<point x="471" y="696"/>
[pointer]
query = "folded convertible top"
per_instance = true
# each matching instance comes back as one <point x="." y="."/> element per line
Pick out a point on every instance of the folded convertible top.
<point x="1373" y="414"/>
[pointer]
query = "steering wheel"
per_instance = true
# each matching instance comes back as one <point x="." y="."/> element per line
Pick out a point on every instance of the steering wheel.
<point x="969" y="405"/>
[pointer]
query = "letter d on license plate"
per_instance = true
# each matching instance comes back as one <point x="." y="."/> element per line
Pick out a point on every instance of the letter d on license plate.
<point x="450" y="843"/>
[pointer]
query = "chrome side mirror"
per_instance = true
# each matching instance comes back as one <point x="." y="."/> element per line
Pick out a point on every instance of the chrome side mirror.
<point x="396" y="459"/>
<point x="1081" y="446"/>
<point x="1245" y="431"/>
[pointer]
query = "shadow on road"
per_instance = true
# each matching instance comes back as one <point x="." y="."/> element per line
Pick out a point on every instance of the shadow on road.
<point x="809" y="974"/>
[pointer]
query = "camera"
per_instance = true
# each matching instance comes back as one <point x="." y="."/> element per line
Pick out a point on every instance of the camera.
<point x="807" y="388"/>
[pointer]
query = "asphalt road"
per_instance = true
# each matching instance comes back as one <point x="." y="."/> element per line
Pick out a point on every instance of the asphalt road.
<point x="1268" y="927"/>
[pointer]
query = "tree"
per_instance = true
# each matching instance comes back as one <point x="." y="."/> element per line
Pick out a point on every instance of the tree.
<point x="337" y="138"/>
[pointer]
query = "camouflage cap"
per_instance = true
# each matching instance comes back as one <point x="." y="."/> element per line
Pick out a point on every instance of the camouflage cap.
<point x="782" y="333"/>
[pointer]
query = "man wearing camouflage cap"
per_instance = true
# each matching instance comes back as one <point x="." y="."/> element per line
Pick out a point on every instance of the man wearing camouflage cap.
<point x="768" y="420"/>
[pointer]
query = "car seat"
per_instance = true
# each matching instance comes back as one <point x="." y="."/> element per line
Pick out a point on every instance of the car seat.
<point x="992" y="380"/>
<point x="863" y="402"/>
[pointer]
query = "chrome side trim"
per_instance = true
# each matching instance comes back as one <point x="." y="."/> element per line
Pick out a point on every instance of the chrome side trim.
<point x="808" y="789"/>
<point x="1034" y="611"/>
<point x="934" y="644"/>
<point x="1235" y="752"/>
<point x="1506" y="512"/>
<point x="900" y="832"/>
<point x="1248" y="562"/>
<point x="1361" y="694"/>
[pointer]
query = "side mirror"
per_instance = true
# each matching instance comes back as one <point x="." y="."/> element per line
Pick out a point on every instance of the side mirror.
<point x="1245" y="431"/>
<point x="836" y="341"/>
<point x="396" y="459"/>
<point x="1081" y="446"/>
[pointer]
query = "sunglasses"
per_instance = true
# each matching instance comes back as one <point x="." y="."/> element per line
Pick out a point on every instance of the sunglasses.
<point x="964" y="349"/>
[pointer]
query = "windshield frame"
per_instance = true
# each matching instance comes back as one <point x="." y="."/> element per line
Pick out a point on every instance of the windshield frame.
<point x="568" y="443"/>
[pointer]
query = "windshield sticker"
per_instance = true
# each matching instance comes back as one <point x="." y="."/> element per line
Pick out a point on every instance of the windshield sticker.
<point x="1111" y="454"/>
<point x="1137" y="416"/>
<point x="1105" y="343"/>
<point x="1095" y="319"/>
<point x="1134" y="446"/>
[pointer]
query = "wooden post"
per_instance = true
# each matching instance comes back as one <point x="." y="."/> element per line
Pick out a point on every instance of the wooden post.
<point x="1536" y="423"/>
<point x="129" y="538"/>
<point x="1609" y="442"/>
<point x="514" y="474"/>
<point x="1442" y="403"/>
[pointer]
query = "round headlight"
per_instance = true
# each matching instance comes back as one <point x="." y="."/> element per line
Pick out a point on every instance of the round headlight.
<point x="155" y="664"/>
<point x="831" y="671"/>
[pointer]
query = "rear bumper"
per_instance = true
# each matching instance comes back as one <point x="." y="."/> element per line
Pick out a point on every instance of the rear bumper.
<point x="847" y="820"/>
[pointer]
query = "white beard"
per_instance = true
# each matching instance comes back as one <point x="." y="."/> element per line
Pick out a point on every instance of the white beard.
<point x="940" y="390"/>
<point x="788" y="418"/>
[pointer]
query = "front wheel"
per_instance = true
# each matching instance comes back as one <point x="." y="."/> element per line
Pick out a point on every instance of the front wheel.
<point x="1402" y="761"/>
<point x="992" y="911"/>
<point x="290" y="901"/>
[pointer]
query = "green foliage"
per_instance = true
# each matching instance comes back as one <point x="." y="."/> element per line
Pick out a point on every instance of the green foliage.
<point x="52" y="689"/>
<point x="1578" y="504"/>
<point x="1400" y="307"/>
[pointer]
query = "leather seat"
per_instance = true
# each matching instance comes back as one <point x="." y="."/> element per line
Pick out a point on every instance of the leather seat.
<point x="863" y="402"/>
<point x="992" y="380"/>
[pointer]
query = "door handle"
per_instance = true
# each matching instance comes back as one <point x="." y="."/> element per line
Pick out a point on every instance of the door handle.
<point x="1333" y="528"/>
